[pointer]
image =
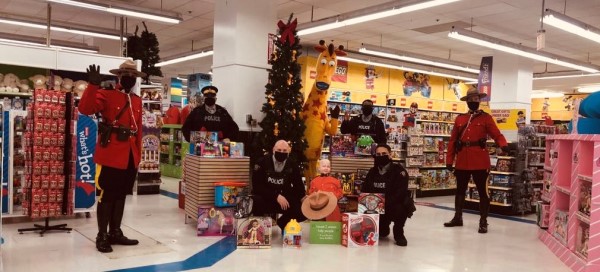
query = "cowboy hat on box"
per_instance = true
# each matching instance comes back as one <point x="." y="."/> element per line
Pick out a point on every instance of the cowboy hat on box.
<point x="129" y="66"/>
<point x="473" y="92"/>
<point x="319" y="205"/>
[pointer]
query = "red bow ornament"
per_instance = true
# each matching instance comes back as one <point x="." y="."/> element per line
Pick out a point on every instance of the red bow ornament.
<point x="287" y="31"/>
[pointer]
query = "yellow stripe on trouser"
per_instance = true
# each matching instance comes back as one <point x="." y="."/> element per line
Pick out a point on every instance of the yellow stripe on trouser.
<point x="97" y="182"/>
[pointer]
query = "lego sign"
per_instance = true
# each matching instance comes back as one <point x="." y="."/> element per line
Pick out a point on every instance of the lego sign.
<point x="484" y="81"/>
<point x="341" y="72"/>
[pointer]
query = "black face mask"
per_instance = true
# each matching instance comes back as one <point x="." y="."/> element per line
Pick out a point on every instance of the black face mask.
<point x="381" y="161"/>
<point x="473" y="105"/>
<point x="127" y="82"/>
<point x="210" y="101"/>
<point x="281" y="156"/>
<point x="367" y="110"/>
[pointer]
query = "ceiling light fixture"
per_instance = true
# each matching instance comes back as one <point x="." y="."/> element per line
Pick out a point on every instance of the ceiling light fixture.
<point x="106" y="35"/>
<point x="512" y="48"/>
<point x="589" y="89"/>
<point x="545" y="94"/>
<point x="559" y="76"/>
<point x="368" y="14"/>
<point x="160" y="17"/>
<point x="416" y="58"/>
<point x="404" y="68"/>
<point x="571" y="25"/>
<point x="41" y="42"/>
<point x="185" y="57"/>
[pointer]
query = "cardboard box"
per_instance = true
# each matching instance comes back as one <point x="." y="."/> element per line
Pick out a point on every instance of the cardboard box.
<point x="370" y="203"/>
<point x="214" y="221"/>
<point x="360" y="230"/>
<point x="254" y="232"/>
<point x="323" y="232"/>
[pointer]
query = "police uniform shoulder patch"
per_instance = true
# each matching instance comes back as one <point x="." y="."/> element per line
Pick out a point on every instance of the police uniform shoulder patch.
<point x="256" y="167"/>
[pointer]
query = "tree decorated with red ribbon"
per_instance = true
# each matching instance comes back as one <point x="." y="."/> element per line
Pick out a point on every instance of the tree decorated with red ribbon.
<point x="284" y="97"/>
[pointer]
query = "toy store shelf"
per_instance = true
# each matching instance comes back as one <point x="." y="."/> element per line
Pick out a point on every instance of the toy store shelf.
<point x="536" y="164"/>
<point x="503" y="173"/>
<point x="585" y="178"/>
<point x="563" y="189"/>
<point x="437" y="189"/>
<point x="493" y="187"/>
<point x="434" y="166"/>
<point x="548" y="168"/>
<point x="545" y="198"/>
<point x="434" y="121"/>
<point x="536" y="148"/>
<point x="436" y="135"/>
<point x="15" y="94"/>
<point x="164" y="153"/>
<point x="433" y="151"/>
<point x="398" y="159"/>
<point x="491" y="202"/>
<point x="583" y="217"/>
<point x="506" y="157"/>
<point x="537" y="182"/>
<point x="149" y="171"/>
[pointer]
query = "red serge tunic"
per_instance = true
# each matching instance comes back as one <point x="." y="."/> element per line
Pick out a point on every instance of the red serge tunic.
<point x="328" y="184"/>
<point x="473" y="157"/>
<point x="109" y="103"/>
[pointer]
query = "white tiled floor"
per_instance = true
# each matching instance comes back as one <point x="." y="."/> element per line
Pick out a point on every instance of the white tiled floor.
<point x="509" y="246"/>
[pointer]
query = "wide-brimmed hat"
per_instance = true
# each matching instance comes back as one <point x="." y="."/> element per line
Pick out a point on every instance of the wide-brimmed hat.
<point x="473" y="92"/>
<point x="319" y="205"/>
<point x="209" y="89"/>
<point x="128" y="66"/>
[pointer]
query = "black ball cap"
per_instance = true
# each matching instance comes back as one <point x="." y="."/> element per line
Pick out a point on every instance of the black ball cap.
<point x="209" y="89"/>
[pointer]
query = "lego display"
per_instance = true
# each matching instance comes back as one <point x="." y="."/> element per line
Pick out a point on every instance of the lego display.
<point x="215" y="221"/>
<point x="254" y="232"/>
<point x="360" y="230"/>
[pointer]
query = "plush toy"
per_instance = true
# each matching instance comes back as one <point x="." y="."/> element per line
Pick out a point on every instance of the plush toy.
<point x="67" y="85"/>
<point x="589" y="109"/>
<point x="314" y="112"/>
<point x="39" y="82"/>
<point x="11" y="81"/>
<point x="56" y="84"/>
<point x="80" y="86"/>
<point x="24" y="86"/>
<point x="2" y="87"/>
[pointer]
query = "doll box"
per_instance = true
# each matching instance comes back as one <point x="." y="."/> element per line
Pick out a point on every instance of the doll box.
<point x="370" y="203"/>
<point x="214" y="221"/>
<point x="360" y="230"/>
<point x="227" y="192"/>
<point x="254" y="232"/>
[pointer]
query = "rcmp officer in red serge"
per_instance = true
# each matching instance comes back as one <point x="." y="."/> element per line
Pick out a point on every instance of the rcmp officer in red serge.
<point x="118" y="151"/>
<point x="210" y="117"/>
<point x="468" y="145"/>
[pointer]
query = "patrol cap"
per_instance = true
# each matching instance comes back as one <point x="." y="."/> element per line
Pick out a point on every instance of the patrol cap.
<point x="209" y="89"/>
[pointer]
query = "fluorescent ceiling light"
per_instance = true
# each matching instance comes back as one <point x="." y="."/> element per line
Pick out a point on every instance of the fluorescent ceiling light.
<point x="497" y="44"/>
<point x="541" y="76"/>
<point x="571" y="25"/>
<point x="51" y="46"/>
<point x="545" y="94"/>
<point x="404" y="68"/>
<point x="181" y="78"/>
<point x="61" y="29"/>
<point x="8" y="38"/>
<point x="368" y="14"/>
<point x="186" y="57"/>
<point x="589" y="89"/>
<point x="121" y="11"/>
<point x="410" y="57"/>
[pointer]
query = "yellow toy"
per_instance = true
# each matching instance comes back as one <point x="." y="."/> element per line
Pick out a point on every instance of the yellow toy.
<point x="314" y="112"/>
<point x="292" y="235"/>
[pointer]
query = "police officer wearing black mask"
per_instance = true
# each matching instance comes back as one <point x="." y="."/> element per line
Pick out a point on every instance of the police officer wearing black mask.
<point x="365" y="124"/>
<point x="210" y="117"/>
<point x="277" y="186"/>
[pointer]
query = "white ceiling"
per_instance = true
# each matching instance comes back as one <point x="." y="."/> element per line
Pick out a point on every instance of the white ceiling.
<point x="512" y="20"/>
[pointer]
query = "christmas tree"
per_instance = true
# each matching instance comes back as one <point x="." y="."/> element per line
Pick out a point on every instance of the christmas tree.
<point x="284" y="97"/>
<point x="145" y="48"/>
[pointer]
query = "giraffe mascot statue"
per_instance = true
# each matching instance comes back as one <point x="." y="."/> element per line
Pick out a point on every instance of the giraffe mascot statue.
<point x="314" y="112"/>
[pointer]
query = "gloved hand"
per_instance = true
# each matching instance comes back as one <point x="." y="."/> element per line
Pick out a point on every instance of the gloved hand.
<point x="450" y="167"/>
<point x="335" y="112"/>
<point x="347" y="116"/>
<point x="505" y="149"/>
<point x="93" y="73"/>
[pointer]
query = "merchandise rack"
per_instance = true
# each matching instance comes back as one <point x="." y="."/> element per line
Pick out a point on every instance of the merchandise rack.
<point x="575" y="163"/>
<point x="176" y="150"/>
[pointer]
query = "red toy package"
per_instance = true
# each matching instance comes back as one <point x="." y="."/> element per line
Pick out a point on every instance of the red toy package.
<point x="360" y="230"/>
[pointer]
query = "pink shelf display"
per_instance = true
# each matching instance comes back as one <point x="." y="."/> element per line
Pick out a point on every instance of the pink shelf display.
<point x="573" y="165"/>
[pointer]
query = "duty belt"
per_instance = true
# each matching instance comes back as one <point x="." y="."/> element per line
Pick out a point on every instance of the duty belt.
<point x="475" y="143"/>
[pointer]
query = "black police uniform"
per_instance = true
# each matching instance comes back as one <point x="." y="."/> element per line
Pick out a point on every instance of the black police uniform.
<point x="394" y="184"/>
<point x="356" y="126"/>
<point x="267" y="185"/>
<point x="219" y="121"/>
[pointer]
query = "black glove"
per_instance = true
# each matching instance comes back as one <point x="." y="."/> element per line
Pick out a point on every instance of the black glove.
<point x="94" y="76"/>
<point x="505" y="149"/>
<point x="335" y="112"/>
<point x="450" y="167"/>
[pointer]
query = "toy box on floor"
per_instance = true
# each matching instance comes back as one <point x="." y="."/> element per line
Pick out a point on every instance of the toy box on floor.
<point x="371" y="203"/>
<point x="215" y="221"/>
<point x="292" y="234"/>
<point x="360" y="230"/>
<point x="226" y="193"/>
<point x="322" y="232"/>
<point x="254" y="232"/>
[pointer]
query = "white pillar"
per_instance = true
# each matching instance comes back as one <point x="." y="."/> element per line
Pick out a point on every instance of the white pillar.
<point x="512" y="82"/>
<point x="240" y="56"/>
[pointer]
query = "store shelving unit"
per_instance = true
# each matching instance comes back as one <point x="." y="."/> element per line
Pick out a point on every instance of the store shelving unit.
<point x="13" y="162"/>
<point x="574" y="163"/>
<point x="173" y="149"/>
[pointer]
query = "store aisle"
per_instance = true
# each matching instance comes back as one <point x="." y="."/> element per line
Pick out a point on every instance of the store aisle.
<point x="509" y="246"/>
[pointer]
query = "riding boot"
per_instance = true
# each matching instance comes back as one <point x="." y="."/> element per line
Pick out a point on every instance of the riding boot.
<point x="116" y="234"/>
<point x="457" y="221"/>
<point x="103" y="217"/>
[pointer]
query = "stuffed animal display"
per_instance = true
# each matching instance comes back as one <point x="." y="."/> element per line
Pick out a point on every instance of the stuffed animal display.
<point x="39" y="82"/>
<point x="314" y="112"/>
<point x="55" y="84"/>
<point x="67" y="85"/>
<point x="11" y="83"/>
<point x="24" y="86"/>
<point x="80" y="86"/>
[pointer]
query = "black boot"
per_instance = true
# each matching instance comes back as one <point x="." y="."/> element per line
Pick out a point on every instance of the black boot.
<point x="116" y="236"/>
<point x="455" y="222"/>
<point x="401" y="240"/>
<point x="103" y="217"/>
<point x="483" y="226"/>
<point x="459" y="202"/>
<point x="102" y="243"/>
